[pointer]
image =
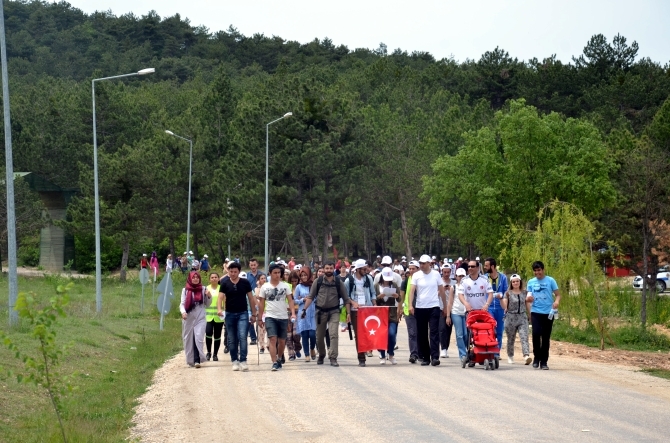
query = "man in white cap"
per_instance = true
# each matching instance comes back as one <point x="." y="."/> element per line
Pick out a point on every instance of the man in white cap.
<point x="428" y="289"/>
<point x="386" y="263"/>
<point x="410" y="320"/>
<point x="360" y="288"/>
<point x="190" y="258"/>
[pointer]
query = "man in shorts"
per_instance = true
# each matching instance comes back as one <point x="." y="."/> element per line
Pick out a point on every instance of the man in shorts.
<point x="273" y="296"/>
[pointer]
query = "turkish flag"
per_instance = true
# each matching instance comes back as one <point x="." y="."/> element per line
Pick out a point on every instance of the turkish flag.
<point x="372" y="328"/>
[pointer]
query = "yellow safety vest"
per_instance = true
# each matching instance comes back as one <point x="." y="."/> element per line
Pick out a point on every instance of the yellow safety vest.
<point x="210" y="311"/>
<point x="406" y="303"/>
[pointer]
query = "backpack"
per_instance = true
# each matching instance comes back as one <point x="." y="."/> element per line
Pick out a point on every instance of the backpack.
<point x="319" y="282"/>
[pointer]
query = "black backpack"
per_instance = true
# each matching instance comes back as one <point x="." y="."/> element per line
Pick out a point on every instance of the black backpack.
<point x="319" y="282"/>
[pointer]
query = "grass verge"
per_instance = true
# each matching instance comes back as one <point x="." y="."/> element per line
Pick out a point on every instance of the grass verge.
<point x="629" y="337"/>
<point x="114" y="355"/>
<point x="662" y="373"/>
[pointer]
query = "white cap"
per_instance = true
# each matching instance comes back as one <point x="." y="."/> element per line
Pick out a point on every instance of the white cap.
<point x="243" y="275"/>
<point x="387" y="274"/>
<point x="404" y="258"/>
<point x="425" y="258"/>
<point x="399" y="268"/>
<point x="297" y="267"/>
<point x="185" y="252"/>
<point x="515" y="277"/>
<point x="205" y="256"/>
<point x="144" y="255"/>
<point x="278" y="258"/>
<point x="461" y="272"/>
<point x="227" y="259"/>
<point x="446" y="267"/>
<point x="460" y="258"/>
<point x="414" y="263"/>
<point x="387" y="260"/>
<point x="477" y="258"/>
<point x="358" y="264"/>
<point x="190" y="252"/>
<point x="434" y="258"/>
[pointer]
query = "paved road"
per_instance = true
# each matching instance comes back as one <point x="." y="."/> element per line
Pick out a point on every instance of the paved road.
<point x="574" y="401"/>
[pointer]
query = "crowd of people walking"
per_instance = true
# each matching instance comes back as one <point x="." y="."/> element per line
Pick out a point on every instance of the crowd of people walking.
<point x="300" y="309"/>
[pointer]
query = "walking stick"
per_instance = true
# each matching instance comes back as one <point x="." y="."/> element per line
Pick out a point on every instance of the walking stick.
<point x="258" y="346"/>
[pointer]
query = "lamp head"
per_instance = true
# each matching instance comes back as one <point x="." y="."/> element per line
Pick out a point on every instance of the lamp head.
<point x="288" y="114"/>
<point x="168" y="132"/>
<point x="146" y="71"/>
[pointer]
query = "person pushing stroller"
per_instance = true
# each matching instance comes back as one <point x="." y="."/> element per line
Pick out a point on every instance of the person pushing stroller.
<point x="475" y="293"/>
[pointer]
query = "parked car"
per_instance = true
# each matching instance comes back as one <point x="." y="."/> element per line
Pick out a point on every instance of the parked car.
<point x="662" y="280"/>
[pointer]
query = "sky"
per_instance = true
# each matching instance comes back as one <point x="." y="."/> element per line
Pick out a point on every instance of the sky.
<point x="460" y="29"/>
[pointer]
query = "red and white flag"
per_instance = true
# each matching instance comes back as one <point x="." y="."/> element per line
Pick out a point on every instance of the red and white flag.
<point x="373" y="328"/>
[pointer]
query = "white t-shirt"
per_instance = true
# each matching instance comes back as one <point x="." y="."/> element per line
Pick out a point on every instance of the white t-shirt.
<point x="275" y="299"/>
<point x="476" y="292"/>
<point x="457" y="308"/>
<point x="426" y="292"/>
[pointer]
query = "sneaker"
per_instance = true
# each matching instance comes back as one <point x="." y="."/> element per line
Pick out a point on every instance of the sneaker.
<point x="243" y="366"/>
<point x="225" y="349"/>
<point x="215" y="357"/>
<point x="382" y="360"/>
<point x="253" y="343"/>
<point x="396" y="348"/>
<point x="510" y="360"/>
<point x="197" y="365"/>
<point x="435" y="362"/>
<point x="333" y="362"/>
<point x="279" y="362"/>
<point x="528" y="359"/>
<point x="471" y="364"/>
<point x="275" y="366"/>
<point x="313" y="354"/>
<point x="320" y="360"/>
<point x="412" y="358"/>
<point x="443" y="353"/>
<point x="298" y="355"/>
<point x="262" y="350"/>
<point x="393" y="360"/>
<point x="282" y="360"/>
<point x="236" y="365"/>
<point x="291" y="358"/>
<point x="208" y="356"/>
<point x="543" y="366"/>
<point x="536" y="364"/>
<point x="425" y="362"/>
<point x="369" y="354"/>
<point x="307" y="359"/>
<point x="361" y="364"/>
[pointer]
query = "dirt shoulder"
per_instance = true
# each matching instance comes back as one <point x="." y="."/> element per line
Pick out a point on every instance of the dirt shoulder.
<point x="636" y="359"/>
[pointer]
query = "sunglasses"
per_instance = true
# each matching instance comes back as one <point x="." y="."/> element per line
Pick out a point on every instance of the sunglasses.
<point x="471" y="267"/>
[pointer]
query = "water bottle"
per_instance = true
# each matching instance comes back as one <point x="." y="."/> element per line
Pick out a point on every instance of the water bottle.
<point x="292" y="319"/>
<point x="555" y="314"/>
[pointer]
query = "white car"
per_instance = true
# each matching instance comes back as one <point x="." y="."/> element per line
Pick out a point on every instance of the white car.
<point x="662" y="280"/>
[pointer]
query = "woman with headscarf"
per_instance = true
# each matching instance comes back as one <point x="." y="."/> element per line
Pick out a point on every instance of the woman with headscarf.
<point x="153" y="264"/>
<point x="194" y="300"/>
<point x="307" y="325"/>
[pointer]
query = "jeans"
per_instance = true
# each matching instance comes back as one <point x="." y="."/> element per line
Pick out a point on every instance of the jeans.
<point x="308" y="340"/>
<point x="426" y="317"/>
<point x="541" y="336"/>
<point x="445" y="331"/>
<point x="393" y="332"/>
<point x="499" y="315"/>
<point x="461" y="334"/>
<point x="410" y="321"/>
<point x="252" y="331"/>
<point x="237" y="325"/>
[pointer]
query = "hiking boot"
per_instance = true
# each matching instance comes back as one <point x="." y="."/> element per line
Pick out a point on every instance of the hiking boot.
<point x="527" y="359"/>
<point x="412" y="358"/>
<point x="275" y="366"/>
<point x="215" y="357"/>
<point x="435" y="362"/>
<point x="425" y="362"/>
<point x="236" y="365"/>
<point x="361" y="363"/>
<point x="320" y="360"/>
<point x="208" y="356"/>
<point x="536" y="364"/>
<point x="313" y="354"/>
<point x="225" y="349"/>
<point x="243" y="366"/>
<point x="333" y="362"/>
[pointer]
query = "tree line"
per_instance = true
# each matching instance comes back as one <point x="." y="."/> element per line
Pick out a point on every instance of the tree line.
<point x="386" y="151"/>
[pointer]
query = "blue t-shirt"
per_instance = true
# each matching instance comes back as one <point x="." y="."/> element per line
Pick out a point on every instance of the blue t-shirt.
<point x="543" y="292"/>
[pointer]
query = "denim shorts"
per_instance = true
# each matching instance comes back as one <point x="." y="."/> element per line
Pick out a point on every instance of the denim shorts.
<point x="276" y="327"/>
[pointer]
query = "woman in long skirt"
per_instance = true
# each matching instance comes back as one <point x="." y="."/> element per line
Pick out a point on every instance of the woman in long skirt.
<point x="194" y="300"/>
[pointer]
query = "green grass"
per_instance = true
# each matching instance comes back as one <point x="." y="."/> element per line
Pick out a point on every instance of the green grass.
<point x="629" y="337"/>
<point x="662" y="373"/>
<point x="114" y="355"/>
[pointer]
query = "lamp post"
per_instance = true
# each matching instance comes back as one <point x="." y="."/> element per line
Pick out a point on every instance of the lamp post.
<point x="98" y="265"/>
<point x="9" y="178"/>
<point x="190" y="171"/>
<point x="267" y="205"/>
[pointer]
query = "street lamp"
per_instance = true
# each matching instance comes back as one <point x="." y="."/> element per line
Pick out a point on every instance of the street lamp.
<point x="98" y="265"/>
<point x="267" y="163"/>
<point x="190" y="169"/>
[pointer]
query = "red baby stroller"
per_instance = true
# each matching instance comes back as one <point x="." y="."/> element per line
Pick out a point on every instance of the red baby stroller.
<point x="482" y="341"/>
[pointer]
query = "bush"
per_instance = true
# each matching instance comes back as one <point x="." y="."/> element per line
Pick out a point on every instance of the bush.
<point x="28" y="253"/>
